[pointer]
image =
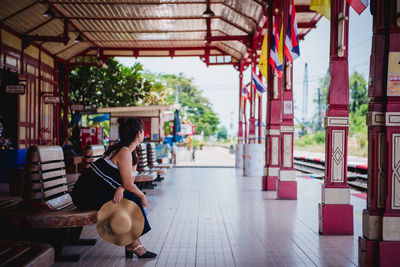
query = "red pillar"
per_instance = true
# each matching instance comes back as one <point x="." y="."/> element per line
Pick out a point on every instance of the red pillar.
<point x="66" y="101"/>
<point x="240" y="130"/>
<point x="335" y="211"/>
<point x="246" y="139"/>
<point x="273" y="116"/>
<point x="380" y="244"/>
<point x="260" y="129"/>
<point x="377" y="149"/>
<point x="252" y="120"/>
<point x="287" y="185"/>
<point x="389" y="248"/>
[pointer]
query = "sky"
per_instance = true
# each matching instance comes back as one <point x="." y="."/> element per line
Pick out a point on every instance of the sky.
<point x="220" y="84"/>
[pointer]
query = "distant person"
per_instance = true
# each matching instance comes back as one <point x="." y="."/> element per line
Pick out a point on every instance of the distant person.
<point x="193" y="153"/>
<point x="110" y="178"/>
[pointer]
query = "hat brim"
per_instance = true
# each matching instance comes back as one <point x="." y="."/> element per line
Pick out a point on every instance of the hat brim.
<point x="134" y="213"/>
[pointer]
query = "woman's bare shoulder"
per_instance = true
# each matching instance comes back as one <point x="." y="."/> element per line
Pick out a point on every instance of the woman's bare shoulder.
<point x="123" y="153"/>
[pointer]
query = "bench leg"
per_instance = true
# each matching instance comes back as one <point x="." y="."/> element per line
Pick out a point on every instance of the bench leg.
<point x="57" y="237"/>
<point x="148" y="185"/>
<point x="75" y="240"/>
<point x="159" y="178"/>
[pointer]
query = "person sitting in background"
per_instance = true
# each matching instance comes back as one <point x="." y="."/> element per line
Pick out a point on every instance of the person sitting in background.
<point x="110" y="178"/>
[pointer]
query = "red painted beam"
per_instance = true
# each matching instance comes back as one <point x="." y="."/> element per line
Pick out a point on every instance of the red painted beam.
<point x="303" y="9"/>
<point x="240" y="38"/>
<point x="306" y="25"/>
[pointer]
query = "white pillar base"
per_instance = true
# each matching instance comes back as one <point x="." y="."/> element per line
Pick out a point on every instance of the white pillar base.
<point x="239" y="156"/>
<point x="254" y="159"/>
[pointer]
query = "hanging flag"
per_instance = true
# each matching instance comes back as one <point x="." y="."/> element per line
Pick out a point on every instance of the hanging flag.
<point x="274" y="55"/>
<point x="264" y="57"/>
<point x="245" y="93"/>
<point x="257" y="83"/>
<point x="358" y="5"/>
<point x="322" y="7"/>
<point x="280" y="46"/>
<point x="292" y="47"/>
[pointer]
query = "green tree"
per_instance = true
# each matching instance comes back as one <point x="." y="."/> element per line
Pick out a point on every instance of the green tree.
<point x="114" y="85"/>
<point x="358" y="91"/>
<point x="222" y="133"/>
<point x="195" y="106"/>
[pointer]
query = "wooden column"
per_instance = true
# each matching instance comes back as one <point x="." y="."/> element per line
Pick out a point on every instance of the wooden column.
<point x="240" y="130"/>
<point x="273" y="116"/>
<point x="287" y="185"/>
<point x="252" y="91"/>
<point x="66" y="101"/>
<point x="377" y="149"/>
<point x="260" y="129"/>
<point x="380" y="244"/>
<point x="335" y="211"/>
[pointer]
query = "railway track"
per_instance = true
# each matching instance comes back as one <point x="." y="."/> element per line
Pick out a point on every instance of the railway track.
<point x="356" y="174"/>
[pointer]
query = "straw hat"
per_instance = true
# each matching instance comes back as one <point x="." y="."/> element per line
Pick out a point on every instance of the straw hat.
<point x="120" y="223"/>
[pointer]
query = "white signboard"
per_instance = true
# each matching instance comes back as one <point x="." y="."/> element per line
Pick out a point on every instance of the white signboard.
<point x="287" y="107"/>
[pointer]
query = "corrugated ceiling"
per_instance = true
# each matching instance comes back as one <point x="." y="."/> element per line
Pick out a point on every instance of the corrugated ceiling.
<point x="144" y="24"/>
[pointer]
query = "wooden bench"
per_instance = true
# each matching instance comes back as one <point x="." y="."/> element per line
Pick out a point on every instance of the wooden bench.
<point x="22" y="253"/>
<point x="152" y="162"/>
<point x="145" y="176"/>
<point x="48" y="214"/>
<point x="151" y="158"/>
<point x="90" y="154"/>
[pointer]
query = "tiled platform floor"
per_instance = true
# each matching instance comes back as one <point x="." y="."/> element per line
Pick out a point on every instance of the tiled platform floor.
<point x="217" y="217"/>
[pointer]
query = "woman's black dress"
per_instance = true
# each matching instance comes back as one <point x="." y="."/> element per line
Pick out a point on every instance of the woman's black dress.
<point x="97" y="186"/>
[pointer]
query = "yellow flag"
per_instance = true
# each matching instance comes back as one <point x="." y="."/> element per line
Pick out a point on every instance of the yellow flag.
<point x="322" y="7"/>
<point x="263" y="62"/>
<point x="280" y="47"/>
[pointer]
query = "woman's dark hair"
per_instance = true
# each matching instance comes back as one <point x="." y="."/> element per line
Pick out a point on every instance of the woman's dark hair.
<point x="128" y="130"/>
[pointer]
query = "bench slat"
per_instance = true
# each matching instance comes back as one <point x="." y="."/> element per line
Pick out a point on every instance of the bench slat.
<point x="50" y="153"/>
<point x="53" y="165"/>
<point x="48" y="193"/>
<point x="52" y="174"/>
<point x="59" y="181"/>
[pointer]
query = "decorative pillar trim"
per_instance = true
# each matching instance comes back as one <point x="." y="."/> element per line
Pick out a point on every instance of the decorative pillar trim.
<point x="272" y="132"/>
<point x="337" y="121"/>
<point x="391" y="229"/>
<point x="376" y="118"/>
<point x="392" y="119"/>
<point x="382" y="158"/>
<point x="287" y="150"/>
<point x="287" y="129"/>
<point x="271" y="171"/>
<point x="372" y="226"/>
<point x="339" y="196"/>
<point x="287" y="175"/>
<point x="337" y="163"/>
<point x="275" y="150"/>
<point x="395" y="201"/>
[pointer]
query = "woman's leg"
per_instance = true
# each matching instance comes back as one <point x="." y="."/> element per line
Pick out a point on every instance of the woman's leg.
<point x="137" y="248"/>
<point x="131" y="196"/>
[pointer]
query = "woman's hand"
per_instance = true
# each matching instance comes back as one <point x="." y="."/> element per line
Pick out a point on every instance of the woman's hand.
<point x="118" y="195"/>
<point x="143" y="200"/>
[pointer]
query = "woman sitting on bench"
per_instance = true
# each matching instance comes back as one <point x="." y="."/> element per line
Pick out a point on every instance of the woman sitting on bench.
<point x="110" y="178"/>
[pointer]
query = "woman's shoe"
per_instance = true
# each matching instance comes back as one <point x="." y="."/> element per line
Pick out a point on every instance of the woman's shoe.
<point x="147" y="255"/>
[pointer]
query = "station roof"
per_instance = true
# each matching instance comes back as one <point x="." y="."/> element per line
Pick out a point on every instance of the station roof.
<point x="141" y="28"/>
